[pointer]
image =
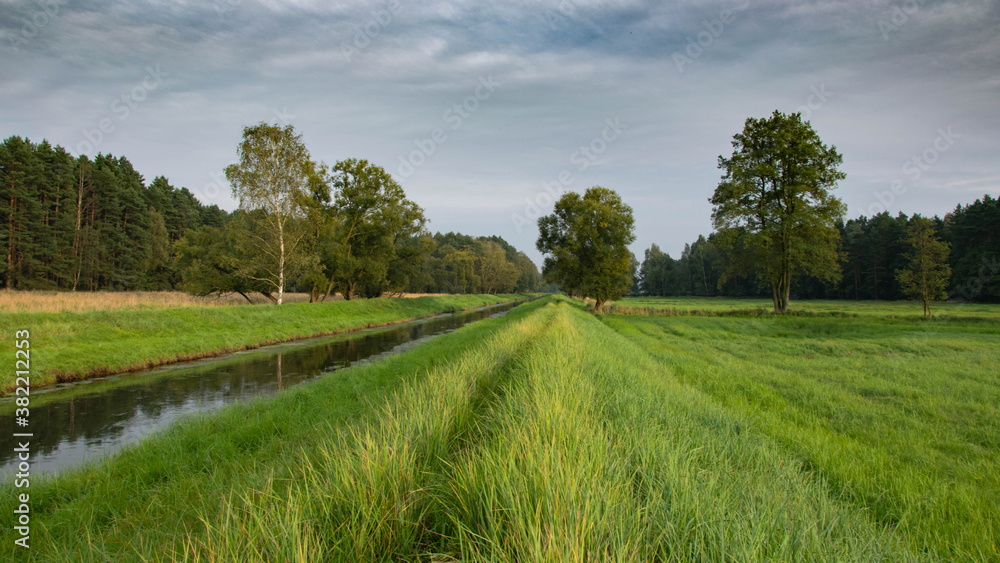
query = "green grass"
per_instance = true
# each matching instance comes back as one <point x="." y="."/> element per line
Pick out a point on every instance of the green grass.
<point x="899" y="417"/>
<point x="709" y="306"/>
<point x="147" y="501"/>
<point x="66" y="346"/>
<point x="554" y="435"/>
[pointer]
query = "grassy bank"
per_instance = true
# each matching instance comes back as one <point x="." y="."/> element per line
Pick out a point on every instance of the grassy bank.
<point x="552" y="435"/>
<point x="68" y="346"/>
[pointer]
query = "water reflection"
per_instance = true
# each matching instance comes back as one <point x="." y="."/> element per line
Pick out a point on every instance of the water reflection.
<point x="84" y="420"/>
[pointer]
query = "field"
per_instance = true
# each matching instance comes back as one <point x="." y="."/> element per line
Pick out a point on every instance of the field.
<point x="555" y="435"/>
<point x="70" y="345"/>
<point x="710" y="306"/>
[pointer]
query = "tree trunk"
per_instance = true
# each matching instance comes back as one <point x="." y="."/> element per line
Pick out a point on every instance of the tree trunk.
<point x="787" y="296"/>
<point x="780" y="292"/>
<point x="329" y="289"/>
<point x="281" y="263"/>
<point x="599" y="306"/>
<point x="77" y="253"/>
<point x="10" y="241"/>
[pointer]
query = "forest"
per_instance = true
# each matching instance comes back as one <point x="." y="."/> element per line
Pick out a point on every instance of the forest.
<point x="871" y="251"/>
<point x="81" y="224"/>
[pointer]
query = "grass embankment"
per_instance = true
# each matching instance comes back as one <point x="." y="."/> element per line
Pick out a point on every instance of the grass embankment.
<point x="68" y="346"/>
<point x="542" y="436"/>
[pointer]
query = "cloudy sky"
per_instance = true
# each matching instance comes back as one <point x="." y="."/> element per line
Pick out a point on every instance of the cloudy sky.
<point x="481" y="109"/>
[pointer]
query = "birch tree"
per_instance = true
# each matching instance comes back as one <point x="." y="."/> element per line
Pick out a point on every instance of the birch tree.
<point x="271" y="181"/>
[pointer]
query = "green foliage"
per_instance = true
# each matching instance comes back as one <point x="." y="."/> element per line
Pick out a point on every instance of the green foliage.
<point x="82" y="224"/>
<point x="375" y="224"/>
<point x="973" y="233"/>
<point x="271" y="182"/>
<point x="95" y="225"/>
<point x="774" y="202"/>
<point x="586" y="240"/>
<point x="460" y="263"/>
<point x="926" y="276"/>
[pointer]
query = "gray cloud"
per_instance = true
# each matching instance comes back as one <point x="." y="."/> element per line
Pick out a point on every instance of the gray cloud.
<point x="374" y="80"/>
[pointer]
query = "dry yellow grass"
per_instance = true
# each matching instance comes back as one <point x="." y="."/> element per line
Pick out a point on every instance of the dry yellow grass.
<point x="80" y="301"/>
<point x="63" y="301"/>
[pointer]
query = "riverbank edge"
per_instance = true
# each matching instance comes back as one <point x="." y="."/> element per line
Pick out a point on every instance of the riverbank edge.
<point x="56" y="376"/>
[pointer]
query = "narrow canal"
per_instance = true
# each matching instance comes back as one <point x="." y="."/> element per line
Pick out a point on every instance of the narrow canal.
<point x="83" y="421"/>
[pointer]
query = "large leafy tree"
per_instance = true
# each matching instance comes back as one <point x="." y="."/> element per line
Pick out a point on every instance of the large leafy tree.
<point x="774" y="201"/>
<point x="271" y="181"/>
<point x="585" y="241"/>
<point x="375" y="223"/>
<point x="926" y="276"/>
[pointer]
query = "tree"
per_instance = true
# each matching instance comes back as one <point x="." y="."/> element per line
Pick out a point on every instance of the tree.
<point x="656" y="273"/>
<point x="498" y="274"/>
<point x="774" y="200"/>
<point x="973" y="233"/>
<point x="586" y="242"/>
<point x="375" y="222"/>
<point x="926" y="276"/>
<point x="272" y="177"/>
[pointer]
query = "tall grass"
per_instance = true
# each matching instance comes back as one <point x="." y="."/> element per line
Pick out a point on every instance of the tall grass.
<point x="221" y="475"/>
<point x="901" y="418"/>
<point x="548" y="435"/>
<point x="556" y="440"/>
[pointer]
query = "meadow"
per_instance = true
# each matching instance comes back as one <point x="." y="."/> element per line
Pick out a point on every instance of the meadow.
<point x="555" y="435"/>
<point x="68" y="345"/>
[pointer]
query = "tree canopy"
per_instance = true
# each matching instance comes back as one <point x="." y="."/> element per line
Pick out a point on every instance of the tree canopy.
<point x="925" y="277"/>
<point x="76" y="223"/>
<point x="271" y="182"/>
<point x="585" y="241"/>
<point x="774" y="203"/>
<point x="375" y="222"/>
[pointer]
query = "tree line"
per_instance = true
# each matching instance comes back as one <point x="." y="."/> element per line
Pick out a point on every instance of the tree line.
<point x="75" y="223"/>
<point x="871" y="251"/>
<point x="777" y="226"/>
<point x="81" y="224"/>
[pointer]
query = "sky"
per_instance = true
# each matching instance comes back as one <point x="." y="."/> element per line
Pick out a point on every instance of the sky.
<point x="484" y="111"/>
